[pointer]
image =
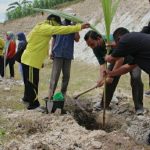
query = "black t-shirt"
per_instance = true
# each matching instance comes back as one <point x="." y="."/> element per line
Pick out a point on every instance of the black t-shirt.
<point x="136" y="45"/>
<point x="100" y="52"/>
<point x="146" y="29"/>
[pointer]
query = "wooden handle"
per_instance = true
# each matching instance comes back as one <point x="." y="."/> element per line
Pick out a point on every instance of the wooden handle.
<point x="88" y="90"/>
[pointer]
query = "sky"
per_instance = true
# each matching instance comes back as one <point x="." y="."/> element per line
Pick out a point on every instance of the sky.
<point x="3" y="7"/>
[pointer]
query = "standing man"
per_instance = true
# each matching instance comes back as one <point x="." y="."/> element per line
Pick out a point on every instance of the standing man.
<point x="134" y="44"/>
<point x="96" y="42"/>
<point x="36" y="51"/>
<point x="62" y="55"/>
<point x="146" y="30"/>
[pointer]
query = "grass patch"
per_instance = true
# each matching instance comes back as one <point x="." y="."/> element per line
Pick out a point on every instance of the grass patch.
<point x="83" y="76"/>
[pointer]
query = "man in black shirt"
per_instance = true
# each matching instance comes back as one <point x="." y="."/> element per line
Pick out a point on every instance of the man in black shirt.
<point x="136" y="45"/>
<point x="96" y="42"/>
<point x="146" y="29"/>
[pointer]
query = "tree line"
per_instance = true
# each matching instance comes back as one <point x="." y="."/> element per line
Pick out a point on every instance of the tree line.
<point x="25" y="8"/>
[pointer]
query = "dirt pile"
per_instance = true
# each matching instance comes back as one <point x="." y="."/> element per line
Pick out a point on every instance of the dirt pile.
<point x="33" y="130"/>
<point x="27" y="130"/>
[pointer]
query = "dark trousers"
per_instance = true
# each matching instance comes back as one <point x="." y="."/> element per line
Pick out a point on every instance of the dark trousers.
<point x="64" y="65"/>
<point x="136" y="84"/>
<point x="10" y="62"/>
<point x="1" y="65"/>
<point x="149" y="81"/>
<point x="31" y="81"/>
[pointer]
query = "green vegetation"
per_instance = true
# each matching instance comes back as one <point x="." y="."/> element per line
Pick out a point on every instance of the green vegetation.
<point x="25" y="7"/>
<point x="109" y="10"/>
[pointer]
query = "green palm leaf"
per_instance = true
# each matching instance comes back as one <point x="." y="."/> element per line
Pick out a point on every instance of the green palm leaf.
<point x="15" y="3"/>
<point x="109" y="10"/>
<point x="62" y="14"/>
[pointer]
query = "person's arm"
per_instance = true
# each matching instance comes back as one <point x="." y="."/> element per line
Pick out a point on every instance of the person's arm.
<point x="122" y="70"/>
<point x="111" y="59"/>
<point x="51" y="49"/>
<point x="3" y="44"/>
<point x="47" y="29"/>
<point x="102" y="70"/>
<point x="11" y="49"/>
<point x="77" y="37"/>
<point x="117" y="65"/>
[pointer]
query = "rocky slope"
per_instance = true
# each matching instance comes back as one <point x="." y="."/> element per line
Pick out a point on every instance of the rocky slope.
<point x="130" y="14"/>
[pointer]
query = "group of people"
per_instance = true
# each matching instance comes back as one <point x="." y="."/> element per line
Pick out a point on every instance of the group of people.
<point x="9" y="52"/>
<point x="130" y="52"/>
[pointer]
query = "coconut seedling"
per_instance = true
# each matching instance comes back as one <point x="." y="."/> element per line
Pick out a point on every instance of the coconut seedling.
<point x="109" y="10"/>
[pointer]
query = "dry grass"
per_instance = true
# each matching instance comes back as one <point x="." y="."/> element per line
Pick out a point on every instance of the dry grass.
<point x="83" y="76"/>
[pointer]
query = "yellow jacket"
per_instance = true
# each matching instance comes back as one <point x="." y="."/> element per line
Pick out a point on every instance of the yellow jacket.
<point x="2" y="43"/>
<point x="38" y="42"/>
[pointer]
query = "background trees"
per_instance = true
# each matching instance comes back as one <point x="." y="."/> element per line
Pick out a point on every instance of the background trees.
<point x="25" y="7"/>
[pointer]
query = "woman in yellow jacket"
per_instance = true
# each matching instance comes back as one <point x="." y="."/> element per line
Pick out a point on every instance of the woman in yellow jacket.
<point x="2" y="43"/>
<point x="36" y="51"/>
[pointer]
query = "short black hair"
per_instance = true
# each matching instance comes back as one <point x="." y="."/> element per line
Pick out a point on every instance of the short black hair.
<point x="54" y="17"/>
<point x="119" y="32"/>
<point x="92" y="34"/>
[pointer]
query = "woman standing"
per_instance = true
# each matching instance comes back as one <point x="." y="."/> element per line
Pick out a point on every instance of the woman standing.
<point x="9" y="52"/>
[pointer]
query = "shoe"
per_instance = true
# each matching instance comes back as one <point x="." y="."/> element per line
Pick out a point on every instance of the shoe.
<point x="1" y="78"/>
<point x="46" y="99"/>
<point x="98" y="107"/>
<point x="139" y="111"/>
<point x="42" y="109"/>
<point x="148" y="140"/>
<point x="35" y="105"/>
<point x="12" y="78"/>
<point x="115" y="100"/>
<point x="22" y="100"/>
<point x="147" y="93"/>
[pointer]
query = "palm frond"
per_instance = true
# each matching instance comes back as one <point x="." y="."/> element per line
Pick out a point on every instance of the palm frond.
<point x="26" y="2"/>
<point x="114" y="8"/>
<point x="64" y="15"/>
<point x="15" y="3"/>
<point x="10" y="8"/>
<point x="109" y="10"/>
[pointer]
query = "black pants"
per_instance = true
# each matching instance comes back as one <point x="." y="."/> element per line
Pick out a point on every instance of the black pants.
<point x="136" y="84"/>
<point x="11" y="63"/>
<point x="149" y="81"/>
<point x="31" y="81"/>
<point x="1" y="65"/>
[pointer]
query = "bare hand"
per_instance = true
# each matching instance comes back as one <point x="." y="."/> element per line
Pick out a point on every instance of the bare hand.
<point x="110" y="74"/>
<point x="100" y="83"/>
<point x="85" y="25"/>
<point x="51" y="56"/>
<point x="109" y="59"/>
<point x="109" y="80"/>
<point x="112" y="44"/>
